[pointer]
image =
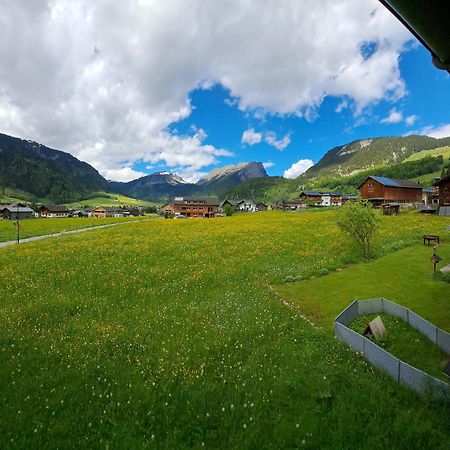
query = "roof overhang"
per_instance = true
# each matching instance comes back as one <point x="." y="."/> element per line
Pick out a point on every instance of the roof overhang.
<point x="429" y="22"/>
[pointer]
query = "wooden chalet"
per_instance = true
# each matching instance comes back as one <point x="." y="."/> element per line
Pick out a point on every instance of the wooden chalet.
<point x="261" y="206"/>
<point x="312" y="197"/>
<point x="53" y="211"/>
<point x="206" y="207"/>
<point x="444" y="191"/>
<point x="107" y="211"/>
<point x="16" y="212"/>
<point x="349" y="198"/>
<point x="381" y="190"/>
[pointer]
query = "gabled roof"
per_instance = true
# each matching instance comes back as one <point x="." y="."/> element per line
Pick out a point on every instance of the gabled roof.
<point x="109" y="208"/>
<point x="20" y="209"/>
<point x="311" y="193"/>
<point x="393" y="182"/>
<point x="56" y="208"/>
<point x="208" y="201"/>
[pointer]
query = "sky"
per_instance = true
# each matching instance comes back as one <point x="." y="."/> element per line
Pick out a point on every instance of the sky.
<point x="186" y="86"/>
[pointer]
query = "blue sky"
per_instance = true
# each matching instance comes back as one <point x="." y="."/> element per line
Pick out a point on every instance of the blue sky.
<point x="186" y="86"/>
<point x="215" y="111"/>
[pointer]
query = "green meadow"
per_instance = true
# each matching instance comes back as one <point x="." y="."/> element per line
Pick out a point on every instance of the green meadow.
<point x="179" y="334"/>
<point x="39" y="227"/>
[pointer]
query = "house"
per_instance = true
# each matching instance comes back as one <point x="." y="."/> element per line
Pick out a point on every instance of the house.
<point x="331" y="199"/>
<point x="261" y="206"/>
<point x="229" y="202"/>
<point x="311" y="197"/>
<point x="349" y="198"/>
<point x="133" y="212"/>
<point x="106" y="211"/>
<point x="430" y="196"/>
<point x="206" y="207"/>
<point x="380" y="190"/>
<point x="80" y="213"/>
<point x="444" y="190"/>
<point x="53" y="211"/>
<point x="318" y="198"/>
<point x="16" y="212"/>
<point x="290" y="204"/>
<point x="246" y="206"/>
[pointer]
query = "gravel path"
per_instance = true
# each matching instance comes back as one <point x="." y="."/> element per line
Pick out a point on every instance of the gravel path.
<point x="61" y="233"/>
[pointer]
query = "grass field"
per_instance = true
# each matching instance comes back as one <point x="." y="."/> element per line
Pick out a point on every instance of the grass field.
<point x="440" y="151"/>
<point x="110" y="200"/>
<point x="38" y="227"/>
<point x="168" y="334"/>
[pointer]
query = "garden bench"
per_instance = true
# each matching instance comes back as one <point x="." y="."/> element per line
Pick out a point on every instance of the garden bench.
<point x="430" y="238"/>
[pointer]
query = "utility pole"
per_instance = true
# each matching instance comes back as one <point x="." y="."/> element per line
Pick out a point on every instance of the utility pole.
<point x="17" y="224"/>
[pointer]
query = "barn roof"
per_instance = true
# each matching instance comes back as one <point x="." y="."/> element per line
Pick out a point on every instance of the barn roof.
<point x="56" y="208"/>
<point x="394" y="182"/>
<point x="208" y="201"/>
<point x="20" y="209"/>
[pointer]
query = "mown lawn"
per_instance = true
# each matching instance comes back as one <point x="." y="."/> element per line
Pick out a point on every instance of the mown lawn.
<point x="167" y="334"/>
<point x="38" y="227"/>
<point x="405" y="277"/>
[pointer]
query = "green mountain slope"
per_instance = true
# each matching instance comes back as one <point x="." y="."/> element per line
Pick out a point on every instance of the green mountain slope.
<point x="42" y="172"/>
<point x="369" y="153"/>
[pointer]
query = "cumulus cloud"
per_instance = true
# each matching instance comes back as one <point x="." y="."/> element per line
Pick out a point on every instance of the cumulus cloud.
<point x="393" y="117"/>
<point x="410" y="120"/>
<point x="268" y="164"/>
<point x="104" y="80"/>
<point x="298" y="168"/>
<point x="251" y="137"/>
<point x="123" y="174"/>
<point x="280" y="144"/>
<point x="437" y="132"/>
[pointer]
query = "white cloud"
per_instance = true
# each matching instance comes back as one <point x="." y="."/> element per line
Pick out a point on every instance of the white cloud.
<point x="119" y="73"/>
<point x="393" y="117"/>
<point x="280" y="144"/>
<point x="123" y="174"/>
<point x="298" y="168"/>
<point x="268" y="164"/>
<point x="251" y="137"/>
<point x="437" y="132"/>
<point x="410" y="120"/>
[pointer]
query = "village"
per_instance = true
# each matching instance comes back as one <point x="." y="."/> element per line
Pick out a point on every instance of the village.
<point x="389" y="194"/>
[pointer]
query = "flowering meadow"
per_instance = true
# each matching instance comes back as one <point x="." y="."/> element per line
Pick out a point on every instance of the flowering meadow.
<point x="169" y="334"/>
<point x="38" y="227"/>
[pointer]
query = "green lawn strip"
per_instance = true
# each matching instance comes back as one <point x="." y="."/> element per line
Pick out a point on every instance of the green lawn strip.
<point x="407" y="344"/>
<point x="404" y="277"/>
<point x="38" y="227"/>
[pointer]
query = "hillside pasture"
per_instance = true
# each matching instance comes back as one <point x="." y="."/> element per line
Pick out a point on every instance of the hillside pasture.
<point x="169" y="334"/>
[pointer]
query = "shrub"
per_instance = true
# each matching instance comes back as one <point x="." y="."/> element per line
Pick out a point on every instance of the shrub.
<point x="360" y="223"/>
<point x="298" y="278"/>
<point x="289" y="278"/>
<point x="446" y="277"/>
<point x="323" y="272"/>
<point x="229" y="210"/>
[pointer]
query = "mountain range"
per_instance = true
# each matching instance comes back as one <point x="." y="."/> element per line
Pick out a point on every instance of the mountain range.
<point x="34" y="172"/>
<point x="161" y="185"/>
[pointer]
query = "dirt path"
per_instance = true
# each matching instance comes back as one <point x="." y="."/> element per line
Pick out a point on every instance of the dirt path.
<point x="61" y="233"/>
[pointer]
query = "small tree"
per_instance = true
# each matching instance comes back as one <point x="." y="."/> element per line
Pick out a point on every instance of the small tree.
<point x="229" y="210"/>
<point x="359" y="221"/>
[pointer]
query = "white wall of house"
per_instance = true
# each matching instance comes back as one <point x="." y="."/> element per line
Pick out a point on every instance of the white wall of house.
<point x="248" y="207"/>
